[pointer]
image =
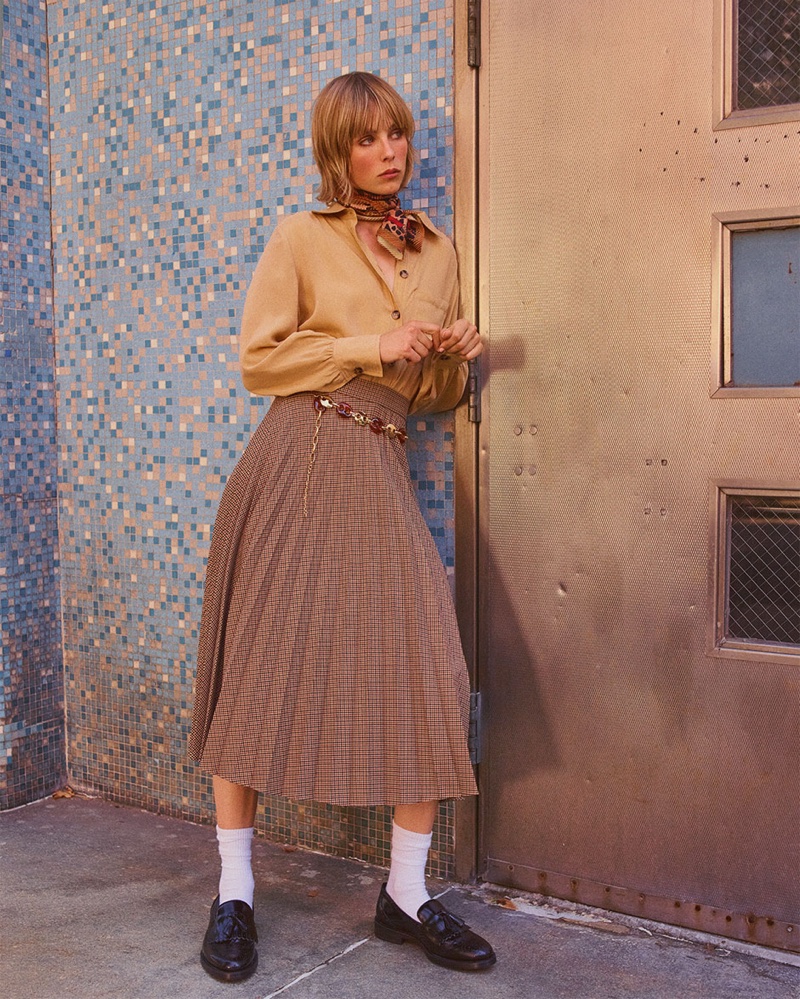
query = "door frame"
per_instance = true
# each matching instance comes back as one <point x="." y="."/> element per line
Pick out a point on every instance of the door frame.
<point x="465" y="204"/>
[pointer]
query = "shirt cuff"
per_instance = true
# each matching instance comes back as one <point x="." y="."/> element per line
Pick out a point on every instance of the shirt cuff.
<point x="358" y="355"/>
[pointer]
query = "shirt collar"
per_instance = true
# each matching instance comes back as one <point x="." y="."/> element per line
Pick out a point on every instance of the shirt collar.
<point x="336" y="209"/>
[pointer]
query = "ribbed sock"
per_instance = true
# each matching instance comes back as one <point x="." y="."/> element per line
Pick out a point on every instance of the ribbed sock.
<point x="236" y="879"/>
<point x="406" y="884"/>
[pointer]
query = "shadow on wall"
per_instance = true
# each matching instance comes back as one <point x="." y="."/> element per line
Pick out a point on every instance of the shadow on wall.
<point x="32" y="738"/>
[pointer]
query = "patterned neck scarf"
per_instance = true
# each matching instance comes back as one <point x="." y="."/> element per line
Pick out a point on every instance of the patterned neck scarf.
<point x="398" y="228"/>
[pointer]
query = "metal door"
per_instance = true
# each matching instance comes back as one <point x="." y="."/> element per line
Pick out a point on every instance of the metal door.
<point x="640" y="744"/>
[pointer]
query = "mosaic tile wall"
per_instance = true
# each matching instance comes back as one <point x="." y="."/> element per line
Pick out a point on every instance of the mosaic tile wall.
<point x="31" y="673"/>
<point x="179" y="136"/>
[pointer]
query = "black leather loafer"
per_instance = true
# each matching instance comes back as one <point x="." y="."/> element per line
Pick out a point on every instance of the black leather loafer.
<point x="445" y="938"/>
<point x="229" y="947"/>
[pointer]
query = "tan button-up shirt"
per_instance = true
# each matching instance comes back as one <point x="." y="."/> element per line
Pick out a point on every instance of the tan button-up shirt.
<point x="318" y="303"/>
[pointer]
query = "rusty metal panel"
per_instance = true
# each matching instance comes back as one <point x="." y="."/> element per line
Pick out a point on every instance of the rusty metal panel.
<point x="626" y="763"/>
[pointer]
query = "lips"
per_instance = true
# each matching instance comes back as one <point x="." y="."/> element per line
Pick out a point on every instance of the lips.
<point x="389" y="173"/>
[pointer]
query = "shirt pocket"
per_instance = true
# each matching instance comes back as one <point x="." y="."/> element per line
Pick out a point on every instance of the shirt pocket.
<point x="426" y="308"/>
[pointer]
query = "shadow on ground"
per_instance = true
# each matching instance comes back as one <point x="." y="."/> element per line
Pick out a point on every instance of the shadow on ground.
<point x="107" y="902"/>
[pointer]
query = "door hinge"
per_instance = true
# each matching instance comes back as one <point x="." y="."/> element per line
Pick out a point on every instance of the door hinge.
<point x="474" y="33"/>
<point x="474" y="737"/>
<point x="474" y="392"/>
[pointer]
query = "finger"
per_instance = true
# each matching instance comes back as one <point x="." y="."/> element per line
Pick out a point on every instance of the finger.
<point x="474" y="352"/>
<point x="470" y="338"/>
<point x="465" y="351"/>
<point x="419" y="349"/>
<point x="464" y="330"/>
<point x="458" y="348"/>
<point x="447" y="338"/>
<point x="424" y="347"/>
<point x="438" y="339"/>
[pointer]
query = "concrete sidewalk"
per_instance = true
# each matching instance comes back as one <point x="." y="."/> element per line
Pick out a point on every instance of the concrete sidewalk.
<point x="106" y="902"/>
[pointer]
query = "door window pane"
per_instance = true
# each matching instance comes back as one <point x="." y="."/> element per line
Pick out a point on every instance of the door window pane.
<point x="768" y="53"/>
<point x="765" y="307"/>
<point x="763" y="585"/>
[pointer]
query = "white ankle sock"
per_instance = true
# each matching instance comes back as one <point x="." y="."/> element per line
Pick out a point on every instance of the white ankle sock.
<point x="406" y="884"/>
<point x="236" y="879"/>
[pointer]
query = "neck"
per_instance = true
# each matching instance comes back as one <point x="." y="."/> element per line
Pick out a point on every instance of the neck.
<point x="377" y="202"/>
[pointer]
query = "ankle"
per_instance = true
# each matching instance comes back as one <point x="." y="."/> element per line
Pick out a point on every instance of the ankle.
<point x="406" y="884"/>
<point x="236" y="876"/>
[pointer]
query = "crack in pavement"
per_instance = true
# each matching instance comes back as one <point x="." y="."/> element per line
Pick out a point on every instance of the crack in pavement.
<point x="319" y="967"/>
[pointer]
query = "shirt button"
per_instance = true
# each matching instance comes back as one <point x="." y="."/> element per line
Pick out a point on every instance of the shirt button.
<point x="404" y="274"/>
<point x="396" y="314"/>
<point x="359" y="371"/>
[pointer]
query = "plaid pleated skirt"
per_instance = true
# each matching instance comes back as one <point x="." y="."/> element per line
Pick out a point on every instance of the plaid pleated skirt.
<point x="330" y="667"/>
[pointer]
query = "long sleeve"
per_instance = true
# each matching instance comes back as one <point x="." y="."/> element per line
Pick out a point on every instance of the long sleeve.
<point x="280" y="354"/>
<point x="318" y="304"/>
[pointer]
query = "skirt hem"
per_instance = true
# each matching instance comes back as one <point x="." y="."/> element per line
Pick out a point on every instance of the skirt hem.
<point x="363" y="801"/>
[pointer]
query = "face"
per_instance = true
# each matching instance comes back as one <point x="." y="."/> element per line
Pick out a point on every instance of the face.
<point x="378" y="160"/>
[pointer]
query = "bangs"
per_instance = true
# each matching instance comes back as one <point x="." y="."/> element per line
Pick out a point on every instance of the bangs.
<point x="372" y="110"/>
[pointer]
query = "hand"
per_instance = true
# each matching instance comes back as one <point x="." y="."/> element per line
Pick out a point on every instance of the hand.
<point x="412" y="342"/>
<point x="462" y="339"/>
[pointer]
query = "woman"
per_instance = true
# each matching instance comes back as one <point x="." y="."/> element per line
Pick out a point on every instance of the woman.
<point x="329" y="665"/>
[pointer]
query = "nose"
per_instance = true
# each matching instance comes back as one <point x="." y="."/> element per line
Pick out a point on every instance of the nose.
<point x="387" y="149"/>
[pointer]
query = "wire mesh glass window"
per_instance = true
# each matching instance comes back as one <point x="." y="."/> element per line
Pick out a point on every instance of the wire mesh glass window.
<point x="767" y="53"/>
<point x="762" y="585"/>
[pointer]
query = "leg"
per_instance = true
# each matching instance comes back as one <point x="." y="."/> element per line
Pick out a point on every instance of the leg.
<point x="236" y="811"/>
<point x="418" y="818"/>
<point x="229" y="947"/>
<point x="411" y="840"/>
<point x="236" y="805"/>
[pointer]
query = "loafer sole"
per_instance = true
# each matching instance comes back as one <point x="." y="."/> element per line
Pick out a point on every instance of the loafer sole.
<point x="391" y="935"/>
<point x="222" y="975"/>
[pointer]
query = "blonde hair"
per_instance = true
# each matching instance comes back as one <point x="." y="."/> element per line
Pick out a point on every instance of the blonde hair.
<point x="347" y="107"/>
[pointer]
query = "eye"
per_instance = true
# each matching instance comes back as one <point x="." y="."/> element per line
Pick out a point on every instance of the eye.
<point x="397" y="133"/>
<point x="366" y="140"/>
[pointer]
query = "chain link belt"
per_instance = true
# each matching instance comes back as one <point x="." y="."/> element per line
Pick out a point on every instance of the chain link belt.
<point x="346" y="411"/>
